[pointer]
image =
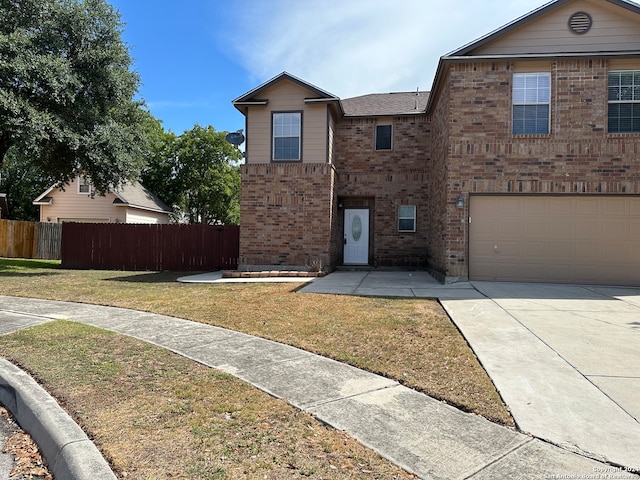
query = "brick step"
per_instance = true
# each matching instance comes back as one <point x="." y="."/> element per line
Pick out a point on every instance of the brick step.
<point x="271" y="274"/>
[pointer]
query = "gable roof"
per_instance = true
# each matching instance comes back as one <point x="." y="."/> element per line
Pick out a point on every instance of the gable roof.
<point x="252" y="96"/>
<point x="465" y="53"/>
<point x="385" y="104"/>
<point x="470" y="47"/>
<point x="136" y="196"/>
<point x="130" y="195"/>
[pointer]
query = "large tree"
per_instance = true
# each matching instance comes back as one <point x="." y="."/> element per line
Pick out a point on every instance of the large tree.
<point x="23" y="183"/>
<point x="197" y="174"/>
<point x="67" y="90"/>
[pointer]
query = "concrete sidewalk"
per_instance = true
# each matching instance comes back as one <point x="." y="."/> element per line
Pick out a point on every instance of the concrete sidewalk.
<point x="565" y="358"/>
<point x="420" y="434"/>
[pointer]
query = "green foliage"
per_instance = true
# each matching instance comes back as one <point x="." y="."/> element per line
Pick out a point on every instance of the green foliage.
<point x="23" y="182"/>
<point x="67" y="90"/>
<point x="196" y="173"/>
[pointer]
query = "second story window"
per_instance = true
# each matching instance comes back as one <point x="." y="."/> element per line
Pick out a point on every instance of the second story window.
<point x="624" y="101"/>
<point x="287" y="129"/>
<point x="383" y="137"/>
<point x="84" y="185"/>
<point x="531" y="103"/>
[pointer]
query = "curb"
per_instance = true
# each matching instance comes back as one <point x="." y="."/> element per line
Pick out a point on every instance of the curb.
<point x="69" y="453"/>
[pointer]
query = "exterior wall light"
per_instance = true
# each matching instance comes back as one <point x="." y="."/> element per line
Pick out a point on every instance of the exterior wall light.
<point x="460" y="201"/>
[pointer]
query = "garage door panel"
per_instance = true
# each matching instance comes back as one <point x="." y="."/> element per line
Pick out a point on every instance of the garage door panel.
<point x="584" y="206"/>
<point x="563" y="251"/>
<point x="587" y="227"/>
<point x="573" y="238"/>
<point x="615" y="206"/>
<point x="561" y="206"/>
<point x="536" y="227"/>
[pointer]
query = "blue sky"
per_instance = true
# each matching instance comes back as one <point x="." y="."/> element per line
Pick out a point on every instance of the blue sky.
<point x="195" y="56"/>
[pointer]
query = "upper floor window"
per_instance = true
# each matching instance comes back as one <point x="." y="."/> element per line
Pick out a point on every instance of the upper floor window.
<point x="531" y="103"/>
<point x="286" y="136"/>
<point x="84" y="185"/>
<point x="383" y="137"/>
<point x="624" y="101"/>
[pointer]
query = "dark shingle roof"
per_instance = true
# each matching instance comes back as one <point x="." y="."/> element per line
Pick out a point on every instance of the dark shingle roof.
<point x="400" y="103"/>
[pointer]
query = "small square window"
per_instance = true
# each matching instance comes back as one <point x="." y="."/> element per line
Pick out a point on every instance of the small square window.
<point x="383" y="137"/>
<point x="407" y="218"/>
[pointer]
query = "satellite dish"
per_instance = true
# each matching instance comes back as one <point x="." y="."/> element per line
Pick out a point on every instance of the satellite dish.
<point x="235" y="138"/>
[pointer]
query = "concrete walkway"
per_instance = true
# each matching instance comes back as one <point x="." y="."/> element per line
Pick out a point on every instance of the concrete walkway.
<point x="565" y="358"/>
<point x="418" y="433"/>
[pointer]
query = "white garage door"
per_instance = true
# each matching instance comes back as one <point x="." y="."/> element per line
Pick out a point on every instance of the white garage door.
<point x="572" y="239"/>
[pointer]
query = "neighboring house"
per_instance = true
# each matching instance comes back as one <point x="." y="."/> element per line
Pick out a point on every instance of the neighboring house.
<point x="78" y="202"/>
<point x="521" y="164"/>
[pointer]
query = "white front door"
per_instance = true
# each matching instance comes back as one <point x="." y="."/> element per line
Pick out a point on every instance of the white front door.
<point x="356" y="236"/>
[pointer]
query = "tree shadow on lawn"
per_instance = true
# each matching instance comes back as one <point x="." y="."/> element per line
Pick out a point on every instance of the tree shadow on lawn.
<point x="151" y="277"/>
<point x="12" y="273"/>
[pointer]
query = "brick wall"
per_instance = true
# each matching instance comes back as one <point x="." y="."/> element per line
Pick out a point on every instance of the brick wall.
<point x="286" y="211"/>
<point x="484" y="157"/>
<point x="382" y="181"/>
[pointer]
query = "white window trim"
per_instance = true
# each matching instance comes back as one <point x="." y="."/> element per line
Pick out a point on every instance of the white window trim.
<point x="84" y="181"/>
<point x="619" y="102"/>
<point x="274" y="136"/>
<point x="413" y="217"/>
<point x="524" y="103"/>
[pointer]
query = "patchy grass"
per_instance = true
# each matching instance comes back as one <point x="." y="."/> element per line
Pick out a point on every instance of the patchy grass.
<point x="410" y="340"/>
<point x="156" y="415"/>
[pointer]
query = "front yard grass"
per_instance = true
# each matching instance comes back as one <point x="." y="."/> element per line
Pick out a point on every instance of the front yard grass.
<point x="410" y="340"/>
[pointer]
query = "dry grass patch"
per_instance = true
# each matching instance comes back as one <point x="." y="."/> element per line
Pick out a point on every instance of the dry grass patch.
<point x="156" y="415"/>
<point x="410" y="340"/>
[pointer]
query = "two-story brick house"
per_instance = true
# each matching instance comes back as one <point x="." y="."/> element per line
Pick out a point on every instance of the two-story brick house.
<point x="522" y="163"/>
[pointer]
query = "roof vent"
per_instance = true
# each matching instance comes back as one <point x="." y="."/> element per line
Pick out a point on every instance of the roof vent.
<point x="580" y="23"/>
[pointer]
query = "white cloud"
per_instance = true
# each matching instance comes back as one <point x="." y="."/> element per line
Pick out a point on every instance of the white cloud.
<point x="354" y="47"/>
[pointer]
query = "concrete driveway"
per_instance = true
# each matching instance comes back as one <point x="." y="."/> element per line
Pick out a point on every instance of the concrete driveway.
<point x="565" y="358"/>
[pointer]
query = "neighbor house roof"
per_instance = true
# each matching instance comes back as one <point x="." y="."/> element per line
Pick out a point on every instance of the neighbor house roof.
<point x="135" y="195"/>
<point x="382" y="104"/>
<point x="130" y="195"/>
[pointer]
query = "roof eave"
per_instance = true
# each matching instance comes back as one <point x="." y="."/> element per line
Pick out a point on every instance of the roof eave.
<point x="396" y="114"/>
<point x="284" y="75"/>
<point x="469" y="47"/>
<point x="465" y="49"/>
<point x="141" y="207"/>
<point x="47" y="192"/>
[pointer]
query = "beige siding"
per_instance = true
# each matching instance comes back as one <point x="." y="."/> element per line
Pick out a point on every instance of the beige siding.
<point x="69" y="205"/>
<point x="287" y="96"/>
<point x="614" y="29"/>
<point x="331" y="138"/>
<point x="142" y="216"/>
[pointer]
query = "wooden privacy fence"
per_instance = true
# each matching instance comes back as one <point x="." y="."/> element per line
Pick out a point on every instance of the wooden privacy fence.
<point x="111" y="246"/>
<point x="49" y="241"/>
<point x="30" y="239"/>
